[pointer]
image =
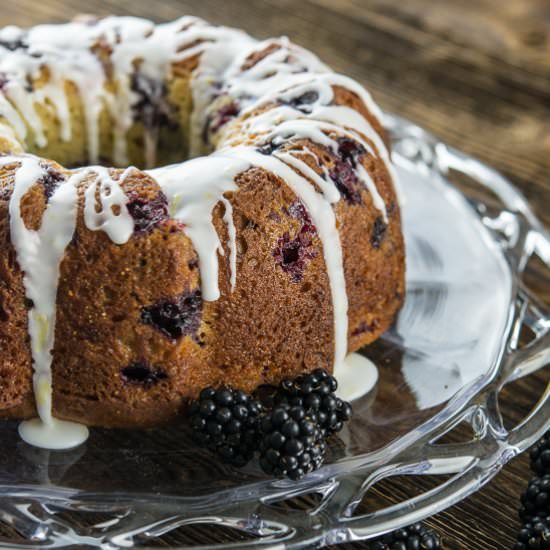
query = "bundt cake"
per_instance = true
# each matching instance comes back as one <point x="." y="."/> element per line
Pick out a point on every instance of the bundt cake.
<point x="275" y="250"/>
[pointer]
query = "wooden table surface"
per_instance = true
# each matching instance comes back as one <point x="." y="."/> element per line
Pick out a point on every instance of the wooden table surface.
<point x="475" y="72"/>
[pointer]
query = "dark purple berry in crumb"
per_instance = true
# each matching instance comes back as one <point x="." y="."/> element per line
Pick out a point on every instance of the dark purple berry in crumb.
<point x="147" y="214"/>
<point x="268" y="148"/>
<point x="223" y="115"/>
<point x="176" y="317"/>
<point x="292" y="254"/>
<point x="540" y="455"/>
<point x="346" y="181"/>
<point x="303" y="102"/>
<point x="193" y="264"/>
<point x="350" y="150"/>
<point x="378" y="232"/>
<point x="143" y="374"/>
<point x="225" y="420"/>
<point x="365" y="327"/>
<point x="50" y="180"/>
<point x="151" y="106"/>
<point x="291" y="442"/>
<point x="417" y="536"/>
<point x="343" y="173"/>
<point x="3" y="80"/>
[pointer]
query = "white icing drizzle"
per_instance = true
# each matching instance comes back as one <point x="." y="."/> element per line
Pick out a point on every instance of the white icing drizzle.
<point x="316" y="121"/>
<point x="142" y="49"/>
<point x="58" y="435"/>
<point x="113" y="218"/>
<point x="216" y="56"/>
<point x="193" y="189"/>
<point x="39" y="254"/>
<point x="326" y="185"/>
<point x="232" y="234"/>
<point x="138" y="46"/>
<point x="356" y="376"/>
<point x="324" y="219"/>
<point x="278" y="67"/>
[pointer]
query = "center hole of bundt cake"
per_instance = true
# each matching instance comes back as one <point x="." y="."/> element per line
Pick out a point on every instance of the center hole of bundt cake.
<point x="159" y="133"/>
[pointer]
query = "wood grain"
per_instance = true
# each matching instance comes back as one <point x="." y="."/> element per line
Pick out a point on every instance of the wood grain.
<point x="475" y="72"/>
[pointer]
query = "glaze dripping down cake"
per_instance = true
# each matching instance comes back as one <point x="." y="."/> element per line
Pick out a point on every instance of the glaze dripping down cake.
<point x="275" y="250"/>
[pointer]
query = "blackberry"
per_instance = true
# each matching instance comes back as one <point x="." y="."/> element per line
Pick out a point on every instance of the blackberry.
<point x="343" y="173"/>
<point x="224" y="115"/>
<point x="535" y="502"/>
<point x="378" y="232"/>
<point x="414" y="537"/>
<point x="51" y="180"/>
<point x="293" y="254"/>
<point x="292" y="442"/>
<point x="225" y="421"/>
<point x="540" y="456"/>
<point x="315" y="392"/>
<point x="303" y="102"/>
<point x="350" y="150"/>
<point x="268" y="148"/>
<point x="147" y="214"/>
<point x="344" y="177"/>
<point x="534" y="535"/>
<point x="176" y="317"/>
<point x="142" y="374"/>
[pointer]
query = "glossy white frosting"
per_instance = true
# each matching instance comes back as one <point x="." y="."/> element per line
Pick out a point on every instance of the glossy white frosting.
<point x="357" y="376"/>
<point x="193" y="188"/>
<point x="113" y="217"/>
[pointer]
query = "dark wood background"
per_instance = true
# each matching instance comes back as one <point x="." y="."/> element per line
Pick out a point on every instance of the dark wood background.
<point x="475" y="72"/>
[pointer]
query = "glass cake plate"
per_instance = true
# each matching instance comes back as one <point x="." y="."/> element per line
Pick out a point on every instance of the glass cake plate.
<point x="455" y="345"/>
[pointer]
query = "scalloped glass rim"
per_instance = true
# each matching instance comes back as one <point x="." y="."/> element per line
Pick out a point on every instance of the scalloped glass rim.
<point x="451" y="351"/>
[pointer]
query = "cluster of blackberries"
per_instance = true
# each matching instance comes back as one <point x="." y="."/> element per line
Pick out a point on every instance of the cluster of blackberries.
<point x="314" y="393"/>
<point x="225" y="421"/>
<point x="535" y="502"/>
<point x="288" y="427"/>
<point x="534" y="535"/>
<point x="534" y="510"/>
<point x="292" y="442"/>
<point x="540" y="456"/>
<point x="414" y="537"/>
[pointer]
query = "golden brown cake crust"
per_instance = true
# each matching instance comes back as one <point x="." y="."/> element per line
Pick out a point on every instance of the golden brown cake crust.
<point x="269" y="327"/>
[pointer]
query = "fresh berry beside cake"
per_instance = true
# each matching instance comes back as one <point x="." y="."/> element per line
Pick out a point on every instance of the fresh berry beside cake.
<point x="275" y="251"/>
